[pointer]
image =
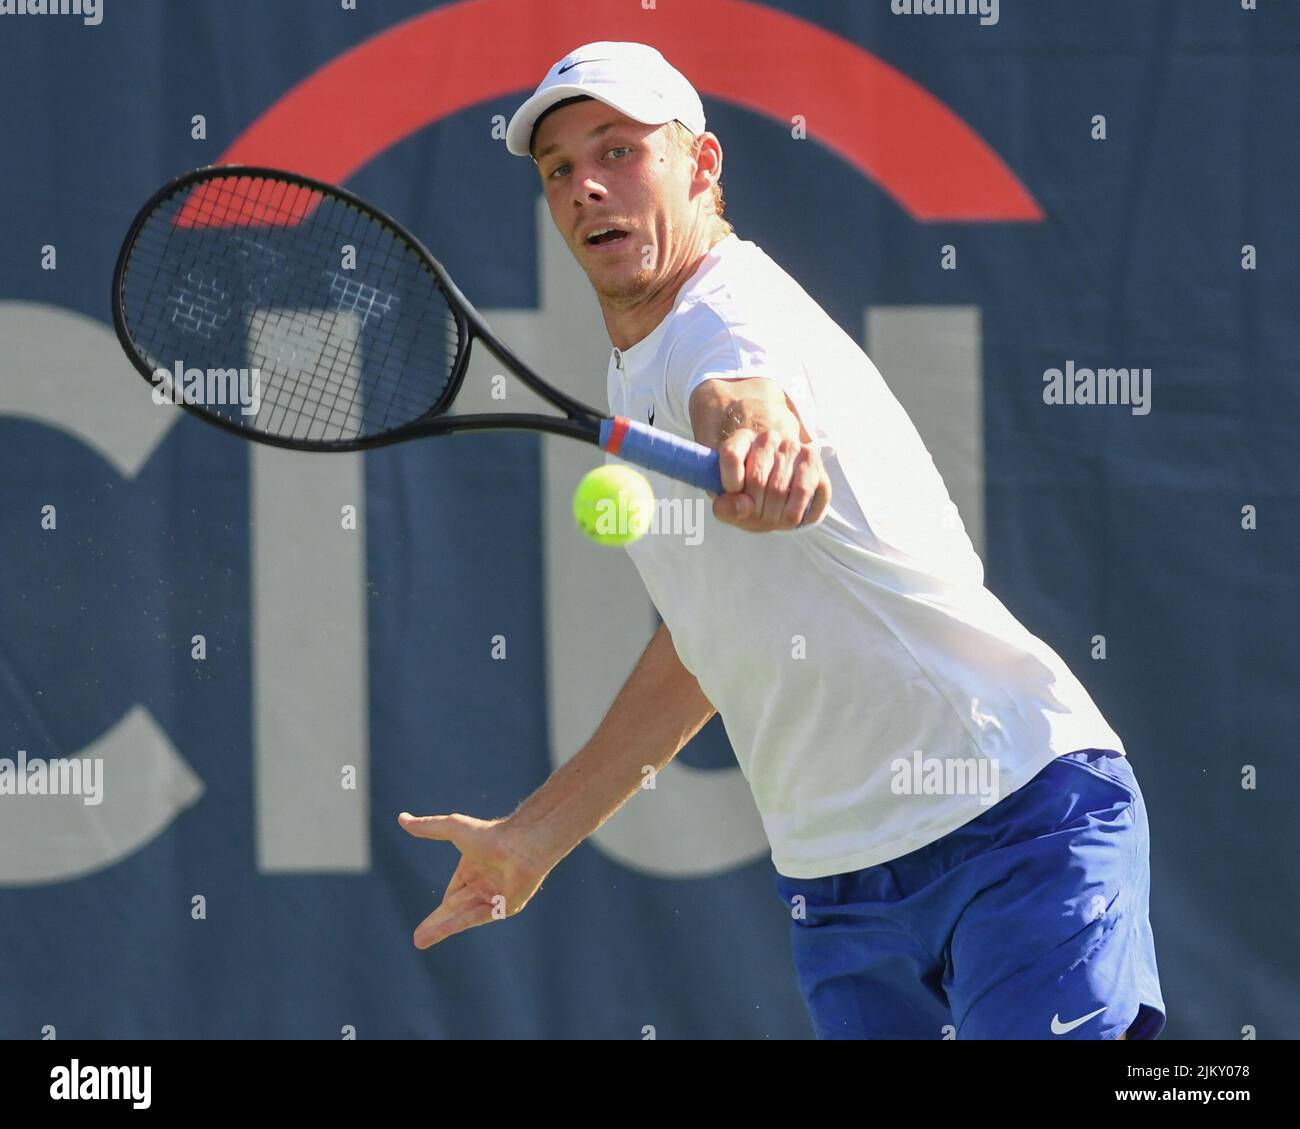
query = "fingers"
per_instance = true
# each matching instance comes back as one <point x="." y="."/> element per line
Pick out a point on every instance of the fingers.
<point x="492" y="879"/>
<point x="758" y="470"/>
<point x="803" y="486"/>
<point x="810" y="491"/>
<point x="447" y="828"/>
<point x="734" y="509"/>
<point x="733" y="505"/>
<point x="777" y="494"/>
<point x="460" y="911"/>
<point x="772" y="482"/>
<point x="820" y="503"/>
<point x="732" y="453"/>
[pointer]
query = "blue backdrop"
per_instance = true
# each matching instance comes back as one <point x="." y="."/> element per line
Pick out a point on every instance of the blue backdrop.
<point x="1096" y="521"/>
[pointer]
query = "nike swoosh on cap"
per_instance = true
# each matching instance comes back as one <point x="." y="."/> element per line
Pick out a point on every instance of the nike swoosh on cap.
<point x="1059" y="1028"/>
<point x="579" y="63"/>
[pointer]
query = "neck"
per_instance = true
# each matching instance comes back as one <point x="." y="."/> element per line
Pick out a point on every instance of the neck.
<point x="631" y="322"/>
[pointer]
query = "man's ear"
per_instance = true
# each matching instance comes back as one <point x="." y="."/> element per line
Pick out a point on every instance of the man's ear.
<point x="714" y="151"/>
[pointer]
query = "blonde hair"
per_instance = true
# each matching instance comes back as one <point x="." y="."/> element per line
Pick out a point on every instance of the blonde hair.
<point x="684" y="139"/>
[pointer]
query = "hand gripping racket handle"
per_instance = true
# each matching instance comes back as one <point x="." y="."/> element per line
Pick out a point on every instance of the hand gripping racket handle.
<point x="682" y="459"/>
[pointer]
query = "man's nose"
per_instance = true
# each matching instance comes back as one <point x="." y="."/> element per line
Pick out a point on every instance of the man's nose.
<point x="588" y="190"/>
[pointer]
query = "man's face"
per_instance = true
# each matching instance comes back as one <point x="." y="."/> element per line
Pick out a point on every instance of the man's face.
<point x="602" y="170"/>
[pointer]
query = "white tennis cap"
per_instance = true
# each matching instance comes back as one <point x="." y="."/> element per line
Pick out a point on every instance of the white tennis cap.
<point x="632" y="77"/>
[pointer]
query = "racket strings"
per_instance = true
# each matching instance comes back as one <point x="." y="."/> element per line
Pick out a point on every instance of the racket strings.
<point x="327" y="325"/>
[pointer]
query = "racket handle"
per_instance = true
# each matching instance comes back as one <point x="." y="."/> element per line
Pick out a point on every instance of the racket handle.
<point x="652" y="447"/>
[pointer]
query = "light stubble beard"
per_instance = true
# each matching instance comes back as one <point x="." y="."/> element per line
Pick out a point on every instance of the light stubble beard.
<point x="626" y="291"/>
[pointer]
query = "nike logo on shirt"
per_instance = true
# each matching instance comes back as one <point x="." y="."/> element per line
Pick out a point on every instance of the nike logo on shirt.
<point x="1059" y="1028"/>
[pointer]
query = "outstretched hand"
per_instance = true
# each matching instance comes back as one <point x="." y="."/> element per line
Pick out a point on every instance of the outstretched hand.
<point x="494" y="879"/>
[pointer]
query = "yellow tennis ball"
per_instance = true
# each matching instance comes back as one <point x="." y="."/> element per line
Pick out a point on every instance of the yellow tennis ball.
<point x="613" y="505"/>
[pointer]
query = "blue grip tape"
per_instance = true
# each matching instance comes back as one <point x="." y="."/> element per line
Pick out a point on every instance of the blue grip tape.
<point x="655" y="449"/>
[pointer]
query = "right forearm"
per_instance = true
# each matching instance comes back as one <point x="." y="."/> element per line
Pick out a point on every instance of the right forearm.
<point x="659" y="709"/>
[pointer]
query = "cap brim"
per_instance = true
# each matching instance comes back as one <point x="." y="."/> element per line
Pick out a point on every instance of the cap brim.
<point x="520" y="130"/>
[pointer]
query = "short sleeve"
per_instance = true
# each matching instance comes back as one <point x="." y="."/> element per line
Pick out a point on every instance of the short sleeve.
<point x="711" y="348"/>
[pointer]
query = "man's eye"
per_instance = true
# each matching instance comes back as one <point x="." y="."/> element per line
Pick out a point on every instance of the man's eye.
<point x="564" y="170"/>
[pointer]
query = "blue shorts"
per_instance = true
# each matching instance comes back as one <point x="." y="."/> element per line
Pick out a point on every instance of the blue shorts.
<point x="1029" y="922"/>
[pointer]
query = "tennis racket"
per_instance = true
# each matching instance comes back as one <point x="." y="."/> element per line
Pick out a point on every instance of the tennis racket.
<point x="292" y="312"/>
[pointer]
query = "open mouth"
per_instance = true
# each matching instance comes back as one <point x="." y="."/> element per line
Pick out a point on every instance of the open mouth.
<point x="605" y="235"/>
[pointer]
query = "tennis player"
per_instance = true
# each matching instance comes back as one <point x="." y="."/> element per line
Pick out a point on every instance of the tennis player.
<point x="955" y="828"/>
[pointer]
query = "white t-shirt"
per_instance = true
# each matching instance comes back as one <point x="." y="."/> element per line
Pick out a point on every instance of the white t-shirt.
<point x="876" y="694"/>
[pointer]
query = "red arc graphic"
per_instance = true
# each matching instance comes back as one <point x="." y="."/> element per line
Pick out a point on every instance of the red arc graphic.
<point x="882" y="123"/>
